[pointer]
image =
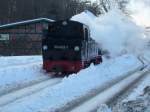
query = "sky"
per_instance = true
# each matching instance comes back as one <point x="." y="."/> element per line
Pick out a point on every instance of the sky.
<point x="140" y="11"/>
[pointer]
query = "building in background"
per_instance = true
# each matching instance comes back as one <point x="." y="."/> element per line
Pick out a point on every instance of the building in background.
<point x="22" y="38"/>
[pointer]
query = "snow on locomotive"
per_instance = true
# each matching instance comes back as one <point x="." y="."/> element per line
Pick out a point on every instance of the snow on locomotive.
<point x="67" y="47"/>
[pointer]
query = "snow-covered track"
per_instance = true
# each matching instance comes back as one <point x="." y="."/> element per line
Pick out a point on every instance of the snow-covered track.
<point x="80" y="100"/>
<point x="11" y="97"/>
<point x="14" y="87"/>
<point x="109" y="94"/>
<point x="145" y="59"/>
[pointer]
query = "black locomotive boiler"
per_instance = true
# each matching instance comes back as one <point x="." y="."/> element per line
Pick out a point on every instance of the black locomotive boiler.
<point x="67" y="47"/>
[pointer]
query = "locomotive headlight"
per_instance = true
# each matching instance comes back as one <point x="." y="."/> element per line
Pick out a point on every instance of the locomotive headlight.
<point x="76" y="48"/>
<point x="64" y="23"/>
<point x="45" y="47"/>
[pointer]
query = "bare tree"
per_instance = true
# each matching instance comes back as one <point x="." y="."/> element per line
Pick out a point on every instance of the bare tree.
<point x="17" y="10"/>
<point x="122" y="5"/>
<point x="105" y="5"/>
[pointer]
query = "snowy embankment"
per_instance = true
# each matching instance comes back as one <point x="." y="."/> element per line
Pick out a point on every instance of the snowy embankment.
<point x="18" y="60"/>
<point x="75" y="86"/>
<point x="19" y="72"/>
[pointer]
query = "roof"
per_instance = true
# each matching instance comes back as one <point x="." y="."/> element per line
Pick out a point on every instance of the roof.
<point x="26" y="22"/>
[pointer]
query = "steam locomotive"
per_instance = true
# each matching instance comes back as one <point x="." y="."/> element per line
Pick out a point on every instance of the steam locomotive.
<point x="67" y="47"/>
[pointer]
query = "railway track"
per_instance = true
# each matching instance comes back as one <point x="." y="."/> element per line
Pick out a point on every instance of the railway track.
<point x="11" y="97"/>
<point x="28" y="90"/>
<point x="106" y="96"/>
<point x="88" y="103"/>
<point x="14" y="87"/>
<point x="125" y="104"/>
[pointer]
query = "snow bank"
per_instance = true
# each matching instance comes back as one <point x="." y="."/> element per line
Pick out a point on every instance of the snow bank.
<point x="15" y="71"/>
<point x="75" y="85"/>
<point x="19" y="74"/>
<point x="114" y="32"/>
<point x="18" y="60"/>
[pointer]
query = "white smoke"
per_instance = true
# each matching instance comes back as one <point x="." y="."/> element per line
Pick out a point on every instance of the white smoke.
<point x="114" y="32"/>
<point x="140" y="11"/>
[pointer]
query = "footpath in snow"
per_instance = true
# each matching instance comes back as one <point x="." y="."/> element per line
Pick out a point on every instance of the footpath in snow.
<point x="75" y="86"/>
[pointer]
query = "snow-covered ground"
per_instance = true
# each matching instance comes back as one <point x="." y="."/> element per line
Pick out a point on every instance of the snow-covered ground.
<point x="75" y="85"/>
<point x="138" y="100"/>
<point x="18" y="71"/>
<point x="18" y="60"/>
<point x="139" y="91"/>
